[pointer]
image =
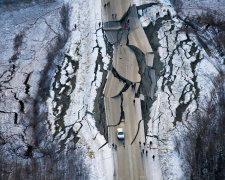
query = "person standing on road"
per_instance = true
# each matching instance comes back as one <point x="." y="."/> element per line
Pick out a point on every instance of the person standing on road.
<point x="115" y="147"/>
<point x="123" y="144"/>
<point x="132" y="85"/>
<point x="143" y="151"/>
<point x="134" y="101"/>
<point x="150" y="145"/>
<point x="139" y="143"/>
<point x="153" y="157"/>
<point x="128" y="20"/>
<point x="141" y="154"/>
<point x="144" y="144"/>
<point x="146" y="152"/>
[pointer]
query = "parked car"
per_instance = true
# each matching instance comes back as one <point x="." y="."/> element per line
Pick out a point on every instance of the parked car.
<point x="120" y="133"/>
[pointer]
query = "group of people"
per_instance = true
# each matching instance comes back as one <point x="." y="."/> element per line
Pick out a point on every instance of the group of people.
<point x="143" y="151"/>
<point x="114" y="146"/>
<point x="114" y="16"/>
<point x="127" y="24"/>
<point x="106" y="4"/>
<point x="133" y="85"/>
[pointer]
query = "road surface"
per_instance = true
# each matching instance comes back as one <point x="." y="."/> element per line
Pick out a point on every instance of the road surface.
<point x="121" y="109"/>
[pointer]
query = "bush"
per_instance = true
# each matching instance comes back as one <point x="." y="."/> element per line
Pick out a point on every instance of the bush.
<point x="18" y="40"/>
<point x="67" y="165"/>
<point x="64" y="13"/>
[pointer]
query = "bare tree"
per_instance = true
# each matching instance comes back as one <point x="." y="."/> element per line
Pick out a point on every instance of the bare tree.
<point x="205" y="144"/>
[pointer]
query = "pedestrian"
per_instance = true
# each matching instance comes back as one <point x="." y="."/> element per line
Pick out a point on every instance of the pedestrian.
<point x="153" y="157"/>
<point x="134" y="101"/>
<point x="134" y="85"/>
<point x="75" y="26"/>
<point x="123" y="144"/>
<point x="146" y="152"/>
<point x="128" y="20"/>
<point x="112" y="16"/>
<point x="144" y="144"/>
<point x="150" y="143"/>
<point x="99" y="24"/>
<point x="141" y="154"/>
<point x="150" y="147"/>
<point x="115" y="16"/>
<point x="143" y="151"/>
<point x="113" y="145"/>
<point x="139" y="143"/>
<point x="104" y="5"/>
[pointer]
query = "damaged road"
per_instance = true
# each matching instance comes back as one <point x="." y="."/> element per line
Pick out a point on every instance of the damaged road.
<point x="122" y="100"/>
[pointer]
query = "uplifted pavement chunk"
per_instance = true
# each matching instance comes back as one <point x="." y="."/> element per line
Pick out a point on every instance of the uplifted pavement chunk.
<point x="113" y="86"/>
<point x="149" y="57"/>
<point x="111" y="25"/>
<point x="125" y="63"/>
<point x="139" y="39"/>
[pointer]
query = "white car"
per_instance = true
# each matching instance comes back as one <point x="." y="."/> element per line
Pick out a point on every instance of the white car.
<point x="120" y="133"/>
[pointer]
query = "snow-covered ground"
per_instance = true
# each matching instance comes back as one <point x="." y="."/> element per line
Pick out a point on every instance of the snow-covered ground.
<point x="184" y="84"/>
<point x="20" y="66"/>
<point x="82" y="48"/>
<point x="39" y="26"/>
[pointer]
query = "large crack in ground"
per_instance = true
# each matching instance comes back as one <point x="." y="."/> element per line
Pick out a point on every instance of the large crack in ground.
<point x="145" y="6"/>
<point x="99" y="107"/>
<point x="145" y="85"/>
<point x="181" y="108"/>
<point x="152" y="34"/>
<point x="62" y="94"/>
<point x="126" y="86"/>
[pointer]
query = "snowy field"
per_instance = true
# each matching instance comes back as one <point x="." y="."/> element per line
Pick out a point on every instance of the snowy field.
<point x="183" y="86"/>
<point x="80" y="48"/>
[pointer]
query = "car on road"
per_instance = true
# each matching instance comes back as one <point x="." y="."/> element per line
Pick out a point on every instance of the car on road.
<point x="120" y="133"/>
